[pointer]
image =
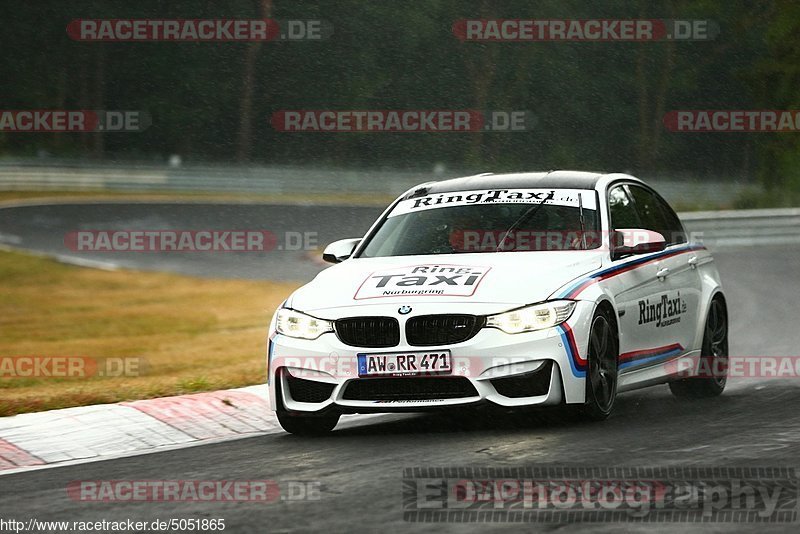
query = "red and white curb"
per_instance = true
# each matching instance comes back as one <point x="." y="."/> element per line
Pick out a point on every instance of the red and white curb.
<point x="76" y="435"/>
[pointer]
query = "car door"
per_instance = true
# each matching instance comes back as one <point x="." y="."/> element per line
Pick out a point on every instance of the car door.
<point x="669" y="314"/>
<point x="634" y="282"/>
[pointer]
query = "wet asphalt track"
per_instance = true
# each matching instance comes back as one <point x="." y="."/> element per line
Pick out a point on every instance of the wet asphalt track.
<point x="43" y="229"/>
<point x="360" y="466"/>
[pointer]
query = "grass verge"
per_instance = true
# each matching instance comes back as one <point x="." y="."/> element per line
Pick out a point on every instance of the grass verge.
<point x="189" y="334"/>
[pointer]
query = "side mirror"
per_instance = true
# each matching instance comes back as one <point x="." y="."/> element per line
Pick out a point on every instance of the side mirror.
<point x="626" y="241"/>
<point x="338" y="251"/>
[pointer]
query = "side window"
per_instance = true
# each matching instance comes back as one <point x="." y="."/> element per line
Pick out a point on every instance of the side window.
<point x="623" y="214"/>
<point x="656" y="215"/>
<point x="674" y="226"/>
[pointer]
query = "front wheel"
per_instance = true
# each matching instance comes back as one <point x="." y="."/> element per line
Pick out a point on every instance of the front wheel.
<point x="601" y="377"/>
<point x="303" y="424"/>
<point x="713" y="358"/>
<point x="307" y="425"/>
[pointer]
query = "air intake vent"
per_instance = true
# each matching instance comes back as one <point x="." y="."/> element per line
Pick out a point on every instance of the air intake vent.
<point x="531" y="384"/>
<point x="309" y="390"/>
<point x="407" y="389"/>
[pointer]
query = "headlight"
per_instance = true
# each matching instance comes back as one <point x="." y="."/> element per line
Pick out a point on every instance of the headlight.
<point x="535" y="317"/>
<point x="295" y="324"/>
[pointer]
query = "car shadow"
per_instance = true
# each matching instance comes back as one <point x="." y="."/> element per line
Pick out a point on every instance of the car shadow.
<point x="653" y="405"/>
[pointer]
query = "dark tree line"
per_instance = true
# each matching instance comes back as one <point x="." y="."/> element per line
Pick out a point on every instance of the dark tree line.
<point x="597" y="105"/>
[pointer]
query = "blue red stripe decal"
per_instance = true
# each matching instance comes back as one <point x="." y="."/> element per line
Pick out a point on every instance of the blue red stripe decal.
<point x="639" y="358"/>
<point x="577" y="364"/>
<point x="574" y="289"/>
<point x="647" y="356"/>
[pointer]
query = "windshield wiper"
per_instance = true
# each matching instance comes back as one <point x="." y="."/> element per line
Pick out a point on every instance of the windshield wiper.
<point x="529" y="213"/>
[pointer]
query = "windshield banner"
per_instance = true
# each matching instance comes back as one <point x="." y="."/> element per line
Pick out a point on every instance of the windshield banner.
<point x="557" y="197"/>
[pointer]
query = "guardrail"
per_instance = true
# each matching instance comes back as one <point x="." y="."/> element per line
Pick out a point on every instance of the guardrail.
<point x="745" y="227"/>
<point x="217" y="179"/>
<point x="718" y="228"/>
<point x="61" y="174"/>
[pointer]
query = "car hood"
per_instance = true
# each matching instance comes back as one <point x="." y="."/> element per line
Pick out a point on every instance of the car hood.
<point x="503" y="278"/>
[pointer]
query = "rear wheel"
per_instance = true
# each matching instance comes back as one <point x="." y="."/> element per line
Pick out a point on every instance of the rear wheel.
<point x="713" y="358"/>
<point x="601" y="377"/>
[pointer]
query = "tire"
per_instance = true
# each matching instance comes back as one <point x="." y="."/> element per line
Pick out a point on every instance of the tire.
<point x="603" y="371"/>
<point x="307" y="425"/>
<point x="713" y="356"/>
<point x="301" y="424"/>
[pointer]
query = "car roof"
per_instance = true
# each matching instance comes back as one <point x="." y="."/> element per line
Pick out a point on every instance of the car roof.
<point x="522" y="180"/>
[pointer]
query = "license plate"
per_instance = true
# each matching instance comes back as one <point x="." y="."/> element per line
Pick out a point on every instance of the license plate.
<point x="405" y="364"/>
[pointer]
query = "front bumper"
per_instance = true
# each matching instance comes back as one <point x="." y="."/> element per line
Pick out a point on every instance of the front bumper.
<point x="541" y="368"/>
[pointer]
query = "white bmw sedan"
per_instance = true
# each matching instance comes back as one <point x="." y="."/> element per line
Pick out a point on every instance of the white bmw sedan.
<point x="517" y="290"/>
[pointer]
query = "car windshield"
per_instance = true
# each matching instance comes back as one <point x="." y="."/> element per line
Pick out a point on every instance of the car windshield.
<point x="511" y="220"/>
